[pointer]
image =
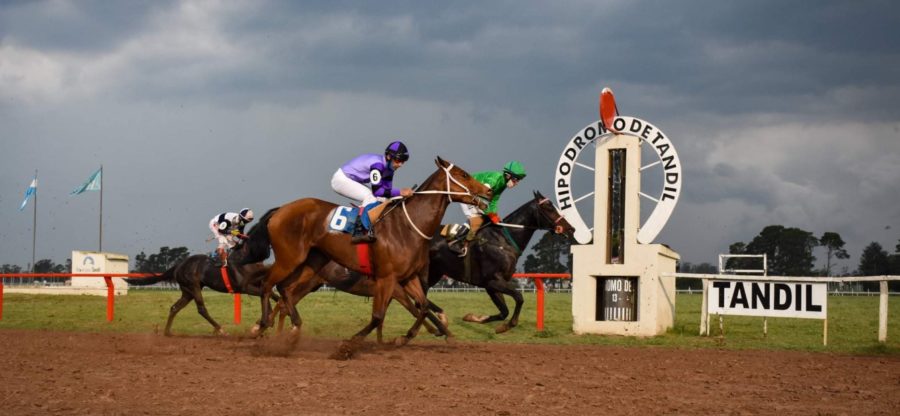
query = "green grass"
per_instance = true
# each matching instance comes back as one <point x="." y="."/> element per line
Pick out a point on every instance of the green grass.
<point x="852" y="326"/>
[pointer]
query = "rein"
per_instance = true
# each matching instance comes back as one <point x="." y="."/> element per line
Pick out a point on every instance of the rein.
<point x="530" y="227"/>
<point x="512" y="242"/>
<point x="448" y="192"/>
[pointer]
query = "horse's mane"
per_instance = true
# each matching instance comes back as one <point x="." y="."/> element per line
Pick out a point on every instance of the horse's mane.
<point x="518" y="210"/>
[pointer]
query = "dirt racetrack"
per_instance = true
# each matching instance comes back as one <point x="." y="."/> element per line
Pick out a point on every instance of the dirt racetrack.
<point x="79" y="373"/>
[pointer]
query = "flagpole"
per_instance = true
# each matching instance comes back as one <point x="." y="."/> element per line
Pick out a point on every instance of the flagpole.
<point x="34" y="225"/>
<point x="101" y="208"/>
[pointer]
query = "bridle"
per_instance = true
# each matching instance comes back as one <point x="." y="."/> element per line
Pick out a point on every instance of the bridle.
<point x="448" y="192"/>
<point x="557" y="228"/>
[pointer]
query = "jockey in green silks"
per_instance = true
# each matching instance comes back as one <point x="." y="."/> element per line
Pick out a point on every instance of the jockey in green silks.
<point x="512" y="173"/>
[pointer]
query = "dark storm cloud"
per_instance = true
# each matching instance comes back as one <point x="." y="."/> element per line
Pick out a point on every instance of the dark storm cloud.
<point x="74" y="27"/>
<point x="307" y="84"/>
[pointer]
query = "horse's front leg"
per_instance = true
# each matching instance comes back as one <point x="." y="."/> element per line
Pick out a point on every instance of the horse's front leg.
<point x="381" y="298"/>
<point x="177" y="307"/>
<point x="277" y="273"/>
<point x="413" y="288"/>
<point x="295" y="292"/>
<point x="500" y="288"/>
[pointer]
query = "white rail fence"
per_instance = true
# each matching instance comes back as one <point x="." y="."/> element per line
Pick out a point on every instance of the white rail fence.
<point x="882" y="304"/>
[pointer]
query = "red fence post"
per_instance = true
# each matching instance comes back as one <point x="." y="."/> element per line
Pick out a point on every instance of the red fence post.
<point x="539" y="286"/>
<point x="1" y="298"/>
<point x="237" y="308"/>
<point x="110" y="298"/>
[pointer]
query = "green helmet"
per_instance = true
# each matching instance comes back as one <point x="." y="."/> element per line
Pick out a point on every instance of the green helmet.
<point x="515" y="169"/>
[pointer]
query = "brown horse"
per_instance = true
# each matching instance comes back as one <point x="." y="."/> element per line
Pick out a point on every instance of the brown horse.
<point x="299" y="235"/>
<point x="492" y="262"/>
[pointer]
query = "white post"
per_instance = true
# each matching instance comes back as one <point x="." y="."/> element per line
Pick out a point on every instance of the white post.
<point x="704" y="315"/>
<point x="883" y="311"/>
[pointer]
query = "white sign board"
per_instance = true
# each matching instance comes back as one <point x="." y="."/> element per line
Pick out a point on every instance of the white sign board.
<point x="768" y="298"/>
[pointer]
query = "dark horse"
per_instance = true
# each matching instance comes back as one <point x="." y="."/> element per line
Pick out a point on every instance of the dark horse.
<point x="299" y="235"/>
<point x="492" y="261"/>
<point x="198" y="271"/>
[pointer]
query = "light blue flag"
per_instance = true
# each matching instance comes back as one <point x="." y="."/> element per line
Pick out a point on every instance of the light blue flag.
<point x="32" y="189"/>
<point x="92" y="184"/>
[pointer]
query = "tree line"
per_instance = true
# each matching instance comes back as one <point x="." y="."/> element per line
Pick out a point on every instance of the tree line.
<point x="789" y="251"/>
<point x="143" y="263"/>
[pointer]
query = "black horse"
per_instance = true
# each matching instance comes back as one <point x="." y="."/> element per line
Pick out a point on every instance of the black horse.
<point x="198" y="271"/>
<point x="491" y="261"/>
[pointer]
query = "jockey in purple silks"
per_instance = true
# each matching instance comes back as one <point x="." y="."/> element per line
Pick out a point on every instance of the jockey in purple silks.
<point x="377" y="171"/>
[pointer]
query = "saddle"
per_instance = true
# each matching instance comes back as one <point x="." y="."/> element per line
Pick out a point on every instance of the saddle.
<point x="214" y="258"/>
<point x="454" y="232"/>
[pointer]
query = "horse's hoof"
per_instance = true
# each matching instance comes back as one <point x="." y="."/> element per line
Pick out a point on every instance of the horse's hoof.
<point x="219" y="332"/>
<point x="344" y="352"/>
<point x="294" y="333"/>
<point x="443" y="318"/>
<point x="401" y="341"/>
<point x="471" y="317"/>
<point x="168" y="333"/>
<point x="502" y="328"/>
<point x="256" y="331"/>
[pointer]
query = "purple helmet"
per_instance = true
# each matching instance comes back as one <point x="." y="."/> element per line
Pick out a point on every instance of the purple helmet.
<point x="397" y="151"/>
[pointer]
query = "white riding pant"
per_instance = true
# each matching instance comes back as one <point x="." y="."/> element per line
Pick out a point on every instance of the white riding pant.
<point x="471" y="210"/>
<point x="225" y="241"/>
<point x="352" y="189"/>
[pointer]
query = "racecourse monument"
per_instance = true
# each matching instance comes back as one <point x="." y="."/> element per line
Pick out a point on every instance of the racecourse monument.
<point x="618" y="285"/>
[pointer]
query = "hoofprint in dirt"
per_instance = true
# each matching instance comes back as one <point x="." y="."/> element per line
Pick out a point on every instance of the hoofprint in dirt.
<point x="81" y="373"/>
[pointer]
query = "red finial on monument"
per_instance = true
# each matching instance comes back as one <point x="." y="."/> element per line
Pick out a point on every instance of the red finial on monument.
<point x="608" y="109"/>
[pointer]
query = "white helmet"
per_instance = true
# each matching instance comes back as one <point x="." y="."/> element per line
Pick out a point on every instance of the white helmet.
<point x="246" y="215"/>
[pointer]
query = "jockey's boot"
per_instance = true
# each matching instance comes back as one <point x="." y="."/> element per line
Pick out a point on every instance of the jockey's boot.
<point x="360" y="235"/>
<point x="223" y="256"/>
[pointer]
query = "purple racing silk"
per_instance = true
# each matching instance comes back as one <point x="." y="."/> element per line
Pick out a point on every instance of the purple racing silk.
<point x="371" y="168"/>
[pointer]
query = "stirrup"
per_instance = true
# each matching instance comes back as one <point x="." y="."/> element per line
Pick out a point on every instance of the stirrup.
<point x="363" y="237"/>
<point x="461" y="247"/>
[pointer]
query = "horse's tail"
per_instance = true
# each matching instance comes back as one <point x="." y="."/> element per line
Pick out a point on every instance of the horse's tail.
<point x="258" y="242"/>
<point x="166" y="276"/>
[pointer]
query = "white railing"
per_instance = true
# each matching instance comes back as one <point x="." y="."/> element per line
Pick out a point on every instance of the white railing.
<point x="882" y="293"/>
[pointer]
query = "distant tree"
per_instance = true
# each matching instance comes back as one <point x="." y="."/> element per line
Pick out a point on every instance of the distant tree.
<point x="737" y="263"/>
<point x="687" y="267"/>
<point x="10" y="268"/>
<point x="894" y="268"/>
<point x="874" y="261"/>
<point x="834" y="247"/>
<point x="702" y="268"/>
<point x="49" y="266"/>
<point x="552" y="254"/>
<point x="789" y="251"/>
<point x="159" y="262"/>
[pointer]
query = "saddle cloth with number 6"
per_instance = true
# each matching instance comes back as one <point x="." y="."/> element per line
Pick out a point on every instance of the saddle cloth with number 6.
<point x="343" y="219"/>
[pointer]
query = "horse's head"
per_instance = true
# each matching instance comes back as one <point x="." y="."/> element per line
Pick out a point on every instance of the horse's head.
<point x="462" y="187"/>
<point x="551" y="218"/>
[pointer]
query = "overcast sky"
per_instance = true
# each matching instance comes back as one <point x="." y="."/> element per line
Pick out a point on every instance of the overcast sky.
<point x="783" y="112"/>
